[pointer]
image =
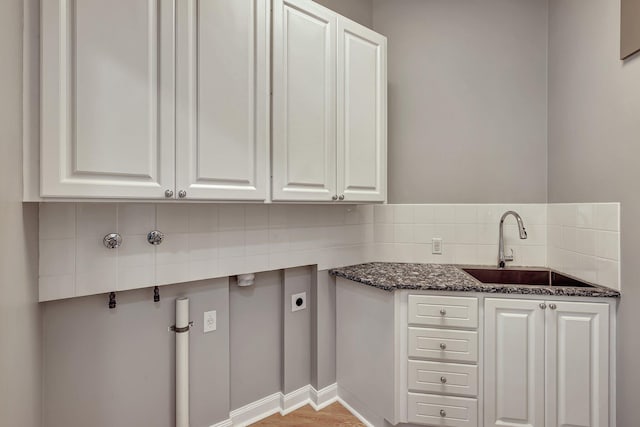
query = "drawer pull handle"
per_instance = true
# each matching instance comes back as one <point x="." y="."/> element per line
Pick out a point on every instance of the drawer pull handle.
<point x="443" y="380"/>
<point x="552" y="306"/>
<point x="443" y="346"/>
<point x="443" y="312"/>
<point x="443" y="413"/>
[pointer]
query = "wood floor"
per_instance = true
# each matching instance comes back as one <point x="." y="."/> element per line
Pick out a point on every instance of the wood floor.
<point x="333" y="415"/>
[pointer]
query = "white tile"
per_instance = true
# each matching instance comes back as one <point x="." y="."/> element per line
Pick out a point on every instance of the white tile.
<point x="585" y="216"/>
<point x="403" y="233"/>
<point x="231" y="244"/>
<point x="423" y="214"/>
<point x="203" y="246"/>
<point x="352" y="215"/>
<point x="447" y="256"/>
<point x="465" y="233"/>
<point x="422" y="253"/>
<point x="168" y="274"/>
<point x="607" y="216"/>
<point x="366" y="214"/>
<point x="56" y="287"/>
<point x="203" y="218"/>
<point x="586" y="241"/>
<point x="608" y="273"/>
<point x="568" y="214"/>
<point x="443" y="214"/>
<point x="278" y="240"/>
<point x="95" y="220"/>
<point x="173" y="250"/>
<point x="136" y="218"/>
<point x="531" y="256"/>
<point x="533" y="213"/>
<point x="172" y="218"/>
<point x="488" y="233"/>
<point x="423" y="233"/>
<point x="446" y="232"/>
<point x="57" y="220"/>
<point x="57" y="257"/>
<point x="489" y="214"/>
<point x="135" y="277"/>
<point x="255" y="264"/>
<point x="230" y="217"/>
<point x="96" y="267"/>
<point x="383" y="214"/>
<point x="332" y="214"/>
<point x="256" y="217"/>
<point x="384" y="233"/>
<point x="608" y="245"/>
<point x="277" y="216"/>
<point x="465" y="214"/>
<point x="487" y="254"/>
<point x="203" y="269"/>
<point x="300" y="239"/>
<point x="569" y="238"/>
<point x="465" y="254"/>
<point x="554" y="235"/>
<point x="257" y="242"/>
<point x="403" y="214"/>
<point x="135" y="252"/>
<point x="536" y="235"/>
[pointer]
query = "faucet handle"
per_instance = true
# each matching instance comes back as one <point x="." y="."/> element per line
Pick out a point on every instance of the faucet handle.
<point x="509" y="258"/>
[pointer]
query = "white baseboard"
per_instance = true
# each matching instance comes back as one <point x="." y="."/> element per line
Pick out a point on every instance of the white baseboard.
<point x="355" y="413"/>
<point x="284" y="404"/>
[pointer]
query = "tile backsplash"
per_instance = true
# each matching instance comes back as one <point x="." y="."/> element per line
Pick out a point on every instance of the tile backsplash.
<point x="469" y="233"/>
<point x="584" y="241"/>
<point x="216" y="240"/>
<point x="201" y="241"/>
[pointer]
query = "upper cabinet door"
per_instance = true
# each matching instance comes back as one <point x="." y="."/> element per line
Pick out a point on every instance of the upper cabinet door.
<point x="577" y="364"/>
<point x="304" y="101"/>
<point x="362" y="113"/>
<point x="514" y="363"/>
<point x="107" y="98"/>
<point x="223" y="99"/>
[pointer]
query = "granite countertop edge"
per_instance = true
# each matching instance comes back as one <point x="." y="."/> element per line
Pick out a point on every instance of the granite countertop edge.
<point x="389" y="277"/>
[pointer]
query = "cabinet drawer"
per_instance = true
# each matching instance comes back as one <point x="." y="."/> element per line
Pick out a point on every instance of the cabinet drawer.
<point x="443" y="344"/>
<point x="442" y="410"/>
<point x="439" y="377"/>
<point x="432" y="310"/>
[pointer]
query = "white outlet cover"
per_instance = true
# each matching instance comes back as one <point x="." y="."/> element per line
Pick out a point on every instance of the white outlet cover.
<point x="436" y="246"/>
<point x="294" y="300"/>
<point x="210" y="321"/>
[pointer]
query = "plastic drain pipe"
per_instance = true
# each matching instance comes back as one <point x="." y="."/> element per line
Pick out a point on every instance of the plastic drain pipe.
<point x="182" y="362"/>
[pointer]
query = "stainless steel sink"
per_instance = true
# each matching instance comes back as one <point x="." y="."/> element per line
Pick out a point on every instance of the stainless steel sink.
<point x="524" y="277"/>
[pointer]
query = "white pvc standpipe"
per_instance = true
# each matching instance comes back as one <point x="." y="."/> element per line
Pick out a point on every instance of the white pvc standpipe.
<point x="182" y="363"/>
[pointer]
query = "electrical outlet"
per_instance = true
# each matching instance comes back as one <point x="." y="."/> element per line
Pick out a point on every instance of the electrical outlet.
<point x="210" y="321"/>
<point x="436" y="246"/>
<point x="299" y="301"/>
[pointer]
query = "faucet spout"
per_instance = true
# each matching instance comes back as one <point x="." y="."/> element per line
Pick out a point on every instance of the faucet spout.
<point x="502" y="258"/>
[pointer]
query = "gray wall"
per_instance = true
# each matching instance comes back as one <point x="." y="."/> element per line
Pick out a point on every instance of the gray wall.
<point x="107" y="368"/>
<point x="256" y="339"/>
<point x="116" y="367"/>
<point x="360" y="11"/>
<point x="594" y="146"/>
<point x="467" y="100"/>
<point x="20" y="331"/>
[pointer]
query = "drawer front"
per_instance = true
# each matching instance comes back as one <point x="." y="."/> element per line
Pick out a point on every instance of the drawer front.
<point x="443" y="344"/>
<point x="432" y="310"/>
<point x="442" y="410"/>
<point x="439" y="377"/>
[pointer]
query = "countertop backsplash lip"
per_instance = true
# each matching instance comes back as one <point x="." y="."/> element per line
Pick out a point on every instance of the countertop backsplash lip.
<point x="391" y="276"/>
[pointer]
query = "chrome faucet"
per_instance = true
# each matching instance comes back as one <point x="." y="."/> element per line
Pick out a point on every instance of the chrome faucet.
<point x="502" y="258"/>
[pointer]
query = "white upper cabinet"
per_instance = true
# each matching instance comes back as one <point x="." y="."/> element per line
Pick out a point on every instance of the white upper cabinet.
<point x="223" y="99"/>
<point x="329" y="106"/>
<point x="362" y="113"/>
<point x="107" y="98"/>
<point x="304" y="101"/>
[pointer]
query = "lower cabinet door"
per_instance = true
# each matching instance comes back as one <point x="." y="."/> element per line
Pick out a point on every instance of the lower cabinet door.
<point x="514" y="359"/>
<point x="577" y="390"/>
<point x="446" y="411"/>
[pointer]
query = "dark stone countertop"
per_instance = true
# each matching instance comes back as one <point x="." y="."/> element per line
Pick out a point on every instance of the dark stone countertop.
<point x="390" y="276"/>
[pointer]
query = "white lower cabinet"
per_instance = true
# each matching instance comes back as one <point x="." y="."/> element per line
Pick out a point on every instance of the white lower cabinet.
<point x="546" y="363"/>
